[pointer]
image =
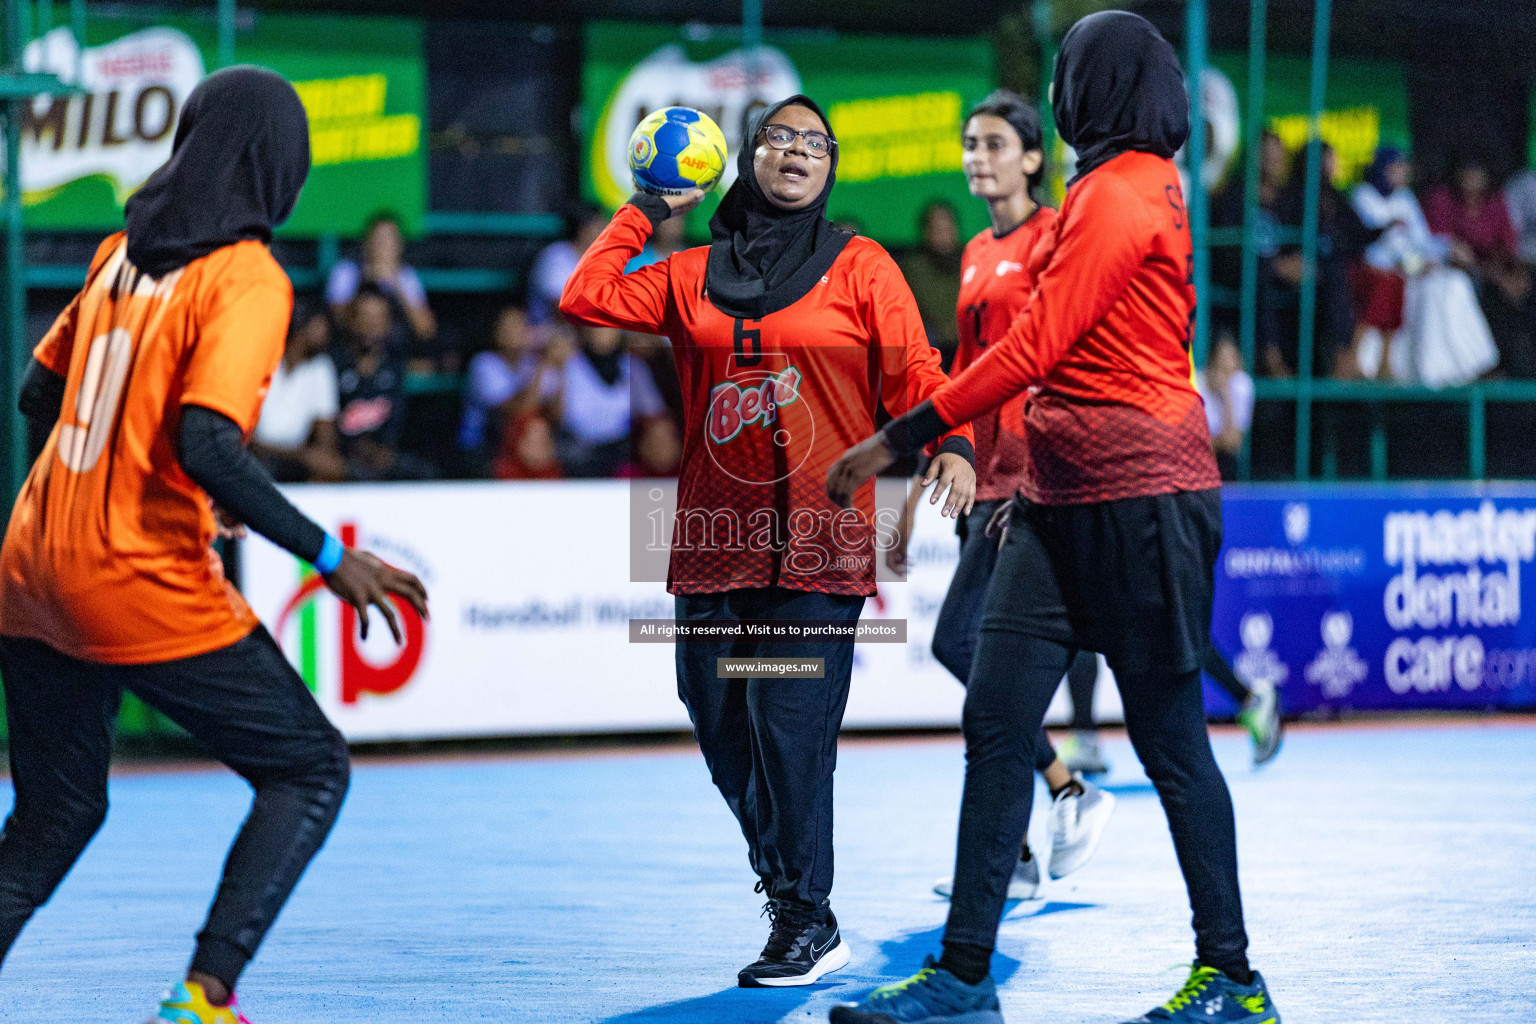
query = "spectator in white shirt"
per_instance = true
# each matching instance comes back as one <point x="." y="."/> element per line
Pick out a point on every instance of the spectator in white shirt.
<point x="1431" y="331"/>
<point x="556" y="262"/>
<point x="1228" y="393"/>
<point x="496" y="377"/>
<point x="595" y="396"/>
<point x="382" y="262"/>
<point x="296" y="435"/>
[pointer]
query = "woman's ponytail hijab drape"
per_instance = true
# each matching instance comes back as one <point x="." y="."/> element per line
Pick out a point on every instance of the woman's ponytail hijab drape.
<point x="239" y="159"/>
<point x="1118" y="87"/>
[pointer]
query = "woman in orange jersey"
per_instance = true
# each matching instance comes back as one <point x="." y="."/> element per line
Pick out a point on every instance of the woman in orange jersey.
<point x="150" y="383"/>
<point x="1113" y="537"/>
<point x="787" y="331"/>
<point x="1003" y="165"/>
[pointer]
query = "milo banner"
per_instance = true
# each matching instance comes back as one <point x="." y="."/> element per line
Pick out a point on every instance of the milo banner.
<point x="362" y="81"/>
<point x="896" y="106"/>
<point x="1381" y="597"/>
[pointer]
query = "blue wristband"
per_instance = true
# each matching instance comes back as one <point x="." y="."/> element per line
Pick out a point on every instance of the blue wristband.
<point x="329" y="557"/>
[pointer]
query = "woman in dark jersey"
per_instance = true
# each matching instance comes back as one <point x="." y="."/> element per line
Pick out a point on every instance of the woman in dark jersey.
<point x="787" y="331"/>
<point x="1113" y="537"/>
<point x="1003" y="165"/>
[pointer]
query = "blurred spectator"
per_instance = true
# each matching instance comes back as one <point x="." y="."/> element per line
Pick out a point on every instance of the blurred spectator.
<point x="664" y="241"/>
<point x="1227" y="210"/>
<point x="494" y="379"/>
<point x="1420" y="318"/>
<point x="1520" y="200"/>
<point x="932" y="271"/>
<point x="1228" y="393"/>
<point x="371" y="382"/>
<point x="381" y="262"/>
<point x="1474" y="214"/>
<point x="527" y="450"/>
<point x="1341" y="239"/>
<point x="656" y="449"/>
<point x="594" y="394"/>
<point x="546" y="279"/>
<point x="1510" y="303"/>
<point x="1470" y="212"/>
<point x="295" y="438"/>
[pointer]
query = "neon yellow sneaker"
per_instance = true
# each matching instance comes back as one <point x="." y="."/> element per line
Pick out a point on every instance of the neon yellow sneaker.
<point x="1210" y="997"/>
<point x="187" y="1003"/>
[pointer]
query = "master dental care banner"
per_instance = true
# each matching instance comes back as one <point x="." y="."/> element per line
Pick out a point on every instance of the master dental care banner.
<point x="531" y="602"/>
<point x="1381" y="597"/>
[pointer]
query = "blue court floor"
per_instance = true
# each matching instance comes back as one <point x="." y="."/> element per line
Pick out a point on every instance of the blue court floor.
<point x="1389" y="873"/>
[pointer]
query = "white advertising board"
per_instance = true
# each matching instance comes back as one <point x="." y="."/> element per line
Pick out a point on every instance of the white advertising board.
<point x="530" y="604"/>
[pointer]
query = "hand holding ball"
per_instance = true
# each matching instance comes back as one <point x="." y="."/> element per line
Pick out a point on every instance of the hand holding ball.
<point x="675" y="151"/>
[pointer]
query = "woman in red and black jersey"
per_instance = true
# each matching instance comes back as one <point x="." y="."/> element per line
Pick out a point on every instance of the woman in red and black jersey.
<point x="1003" y="165"/>
<point x="1113" y="537"/>
<point x="786" y="331"/>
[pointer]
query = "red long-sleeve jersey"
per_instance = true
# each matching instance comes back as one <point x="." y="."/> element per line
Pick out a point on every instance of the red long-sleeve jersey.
<point x="768" y="406"/>
<point x="1104" y="346"/>
<point x="997" y="277"/>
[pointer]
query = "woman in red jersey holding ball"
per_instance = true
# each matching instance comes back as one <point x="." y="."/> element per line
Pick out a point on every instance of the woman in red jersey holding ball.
<point x="787" y="331"/>
<point x="1003" y="165"/>
<point x="1113" y="537"/>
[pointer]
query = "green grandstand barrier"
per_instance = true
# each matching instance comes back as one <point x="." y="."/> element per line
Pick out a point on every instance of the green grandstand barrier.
<point x="1378" y="393"/>
<point x="433" y="383"/>
<point x="505" y="225"/>
<point x="456" y="280"/>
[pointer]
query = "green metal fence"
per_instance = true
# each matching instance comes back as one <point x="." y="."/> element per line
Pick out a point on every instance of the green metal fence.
<point x="1306" y="392"/>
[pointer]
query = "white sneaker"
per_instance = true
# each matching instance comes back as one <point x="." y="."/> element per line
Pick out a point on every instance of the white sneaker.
<point x="1024" y="885"/>
<point x="1077" y="824"/>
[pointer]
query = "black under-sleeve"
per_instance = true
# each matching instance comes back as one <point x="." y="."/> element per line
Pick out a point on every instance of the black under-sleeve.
<point x="654" y="207"/>
<point x="212" y="452"/>
<point x="40" y="400"/>
<point x="910" y="432"/>
<point x="960" y="446"/>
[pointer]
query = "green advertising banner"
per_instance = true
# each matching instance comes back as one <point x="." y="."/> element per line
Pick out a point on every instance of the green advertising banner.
<point x="895" y="104"/>
<point x="1366" y="105"/>
<point x="362" y="80"/>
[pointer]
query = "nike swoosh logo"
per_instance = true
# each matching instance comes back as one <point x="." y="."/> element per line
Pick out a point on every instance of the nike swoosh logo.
<point x="816" y="953"/>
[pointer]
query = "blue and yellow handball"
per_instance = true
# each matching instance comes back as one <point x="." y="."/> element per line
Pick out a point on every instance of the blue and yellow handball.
<point x="675" y="150"/>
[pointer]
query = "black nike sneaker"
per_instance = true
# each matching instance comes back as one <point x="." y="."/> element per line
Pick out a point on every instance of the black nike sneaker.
<point x="803" y="946"/>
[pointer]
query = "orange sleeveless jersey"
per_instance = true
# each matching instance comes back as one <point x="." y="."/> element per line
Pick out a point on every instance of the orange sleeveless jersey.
<point x="108" y="556"/>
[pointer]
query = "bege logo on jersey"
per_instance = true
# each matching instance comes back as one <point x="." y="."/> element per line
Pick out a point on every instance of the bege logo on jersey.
<point x="732" y="407"/>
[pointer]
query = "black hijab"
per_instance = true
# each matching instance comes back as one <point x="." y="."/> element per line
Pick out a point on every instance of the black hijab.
<point x="240" y="156"/>
<point x="763" y="258"/>
<point x="1118" y="87"/>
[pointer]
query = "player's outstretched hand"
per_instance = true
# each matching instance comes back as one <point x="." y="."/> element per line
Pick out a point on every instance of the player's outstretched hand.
<point x="857" y="465"/>
<point x="685" y="202"/>
<point x="955" y="474"/>
<point x="362" y="580"/>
